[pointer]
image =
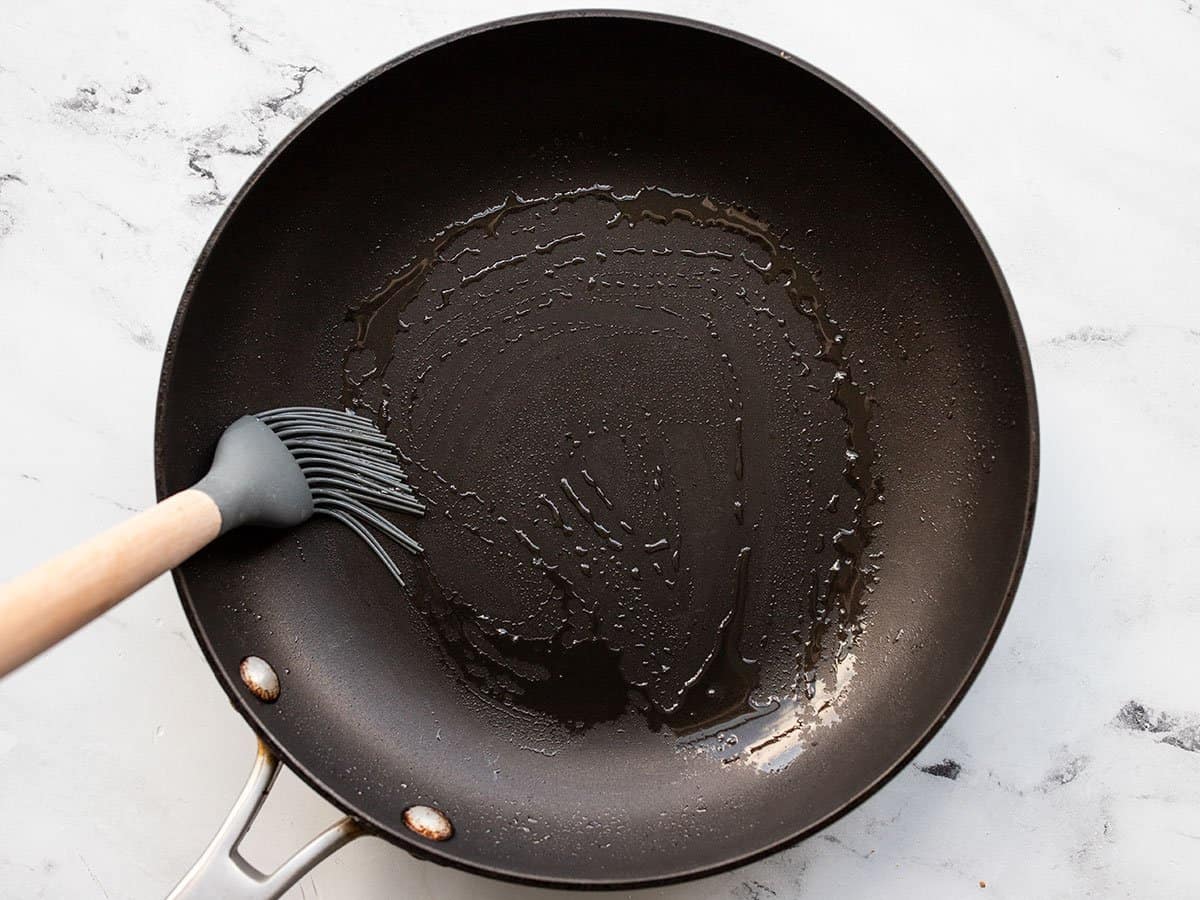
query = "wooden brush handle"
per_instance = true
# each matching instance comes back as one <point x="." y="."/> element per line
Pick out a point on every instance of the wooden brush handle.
<point x="43" y="606"/>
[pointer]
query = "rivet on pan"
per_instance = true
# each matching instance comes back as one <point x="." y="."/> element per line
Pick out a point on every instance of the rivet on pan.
<point x="260" y="677"/>
<point x="429" y="823"/>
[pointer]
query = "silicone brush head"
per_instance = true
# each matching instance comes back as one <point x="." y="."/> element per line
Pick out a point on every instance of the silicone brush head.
<point x="350" y="467"/>
<point x="284" y="465"/>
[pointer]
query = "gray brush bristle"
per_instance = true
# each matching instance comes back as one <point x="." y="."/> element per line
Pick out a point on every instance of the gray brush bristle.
<point x="350" y="467"/>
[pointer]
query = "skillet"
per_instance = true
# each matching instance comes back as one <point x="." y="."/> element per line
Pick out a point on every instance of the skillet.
<point x="723" y="412"/>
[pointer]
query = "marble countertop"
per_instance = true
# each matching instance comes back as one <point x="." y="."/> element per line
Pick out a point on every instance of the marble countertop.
<point x="1070" y="129"/>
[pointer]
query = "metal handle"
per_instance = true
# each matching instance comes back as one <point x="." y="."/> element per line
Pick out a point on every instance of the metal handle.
<point x="222" y="871"/>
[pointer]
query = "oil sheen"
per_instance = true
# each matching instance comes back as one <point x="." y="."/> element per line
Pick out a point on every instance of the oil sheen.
<point x="647" y="452"/>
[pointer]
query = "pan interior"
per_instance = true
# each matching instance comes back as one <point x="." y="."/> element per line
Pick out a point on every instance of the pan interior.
<point x="720" y="410"/>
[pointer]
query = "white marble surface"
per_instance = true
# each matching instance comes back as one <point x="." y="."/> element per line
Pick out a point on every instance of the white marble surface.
<point x="1071" y="129"/>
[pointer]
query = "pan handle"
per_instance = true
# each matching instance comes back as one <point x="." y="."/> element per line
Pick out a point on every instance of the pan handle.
<point x="223" y="872"/>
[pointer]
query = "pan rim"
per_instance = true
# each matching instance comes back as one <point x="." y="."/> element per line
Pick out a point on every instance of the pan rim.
<point x="438" y="853"/>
